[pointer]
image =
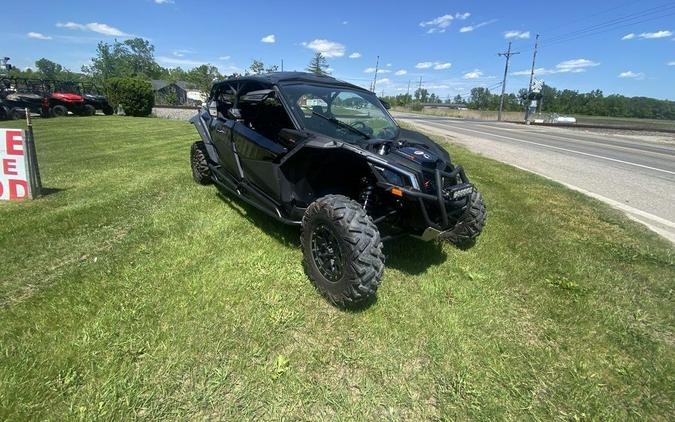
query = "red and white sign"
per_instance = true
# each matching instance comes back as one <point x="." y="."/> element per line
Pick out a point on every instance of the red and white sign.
<point x="14" y="176"/>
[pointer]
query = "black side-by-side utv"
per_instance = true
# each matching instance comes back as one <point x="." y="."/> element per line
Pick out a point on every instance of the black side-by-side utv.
<point x="326" y="155"/>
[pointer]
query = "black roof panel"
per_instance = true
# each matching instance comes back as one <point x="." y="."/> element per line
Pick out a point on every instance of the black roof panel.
<point x="276" y="78"/>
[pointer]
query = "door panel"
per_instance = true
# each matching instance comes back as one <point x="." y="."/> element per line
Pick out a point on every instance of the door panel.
<point x="221" y="134"/>
<point x="258" y="154"/>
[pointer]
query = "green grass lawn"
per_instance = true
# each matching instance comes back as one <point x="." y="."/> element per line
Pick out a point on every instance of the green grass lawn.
<point x="131" y="292"/>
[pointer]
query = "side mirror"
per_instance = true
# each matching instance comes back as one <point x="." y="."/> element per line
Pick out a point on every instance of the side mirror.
<point x="385" y="104"/>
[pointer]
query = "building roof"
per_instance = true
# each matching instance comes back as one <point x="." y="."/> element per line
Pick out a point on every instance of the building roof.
<point x="158" y="84"/>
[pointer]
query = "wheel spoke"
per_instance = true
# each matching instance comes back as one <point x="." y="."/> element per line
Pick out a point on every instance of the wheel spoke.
<point x="326" y="252"/>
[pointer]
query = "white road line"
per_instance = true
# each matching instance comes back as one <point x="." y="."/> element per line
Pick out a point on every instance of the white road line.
<point x="558" y="148"/>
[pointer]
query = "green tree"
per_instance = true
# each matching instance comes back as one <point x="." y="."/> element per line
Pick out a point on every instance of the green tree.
<point x="49" y="69"/>
<point x="133" y="57"/>
<point x="422" y="95"/>
<point x="257" y="67"/>
<point x="203" y="77"/>
<point x="318" y="65"/>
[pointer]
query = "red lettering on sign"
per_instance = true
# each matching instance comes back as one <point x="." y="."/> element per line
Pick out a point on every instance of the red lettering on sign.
<point x="2" y="189"/>
<point x="9" y="167"/>
<point x="14" y="186"/>
<point x="14" y="142"/>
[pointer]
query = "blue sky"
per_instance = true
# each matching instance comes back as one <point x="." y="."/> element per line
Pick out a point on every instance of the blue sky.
<point x="616" y="46"/>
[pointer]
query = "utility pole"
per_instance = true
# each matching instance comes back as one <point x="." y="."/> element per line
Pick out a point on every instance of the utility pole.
<point x="508" y="55"/>
<point x="529" y="87"/>
<point x="282" y="65"/>
<point x="408" y="93"/>
<point x="377" y="65"/>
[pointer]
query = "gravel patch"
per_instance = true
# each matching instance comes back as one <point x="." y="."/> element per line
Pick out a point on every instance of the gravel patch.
<point x="174" y="113"/>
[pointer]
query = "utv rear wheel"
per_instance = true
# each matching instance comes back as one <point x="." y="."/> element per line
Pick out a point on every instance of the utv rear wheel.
<point x="470" y="224"/>
<point x="59" y="111"/>
<point x="342" y="250"/>
<point x="200" y="168"/>
<point x="16" y="113"/>
<point x="108" y="110"/>
<point x="88" y="110"/>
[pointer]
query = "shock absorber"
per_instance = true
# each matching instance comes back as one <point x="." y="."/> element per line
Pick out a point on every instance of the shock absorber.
<point x="366" y="196"/>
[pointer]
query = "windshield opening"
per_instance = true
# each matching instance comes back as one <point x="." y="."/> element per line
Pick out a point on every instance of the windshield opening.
<point x="340" y="112"/>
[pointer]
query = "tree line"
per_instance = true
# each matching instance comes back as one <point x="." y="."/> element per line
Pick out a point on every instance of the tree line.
<point x="551" y="100"/>
<point x="135" y="58"/>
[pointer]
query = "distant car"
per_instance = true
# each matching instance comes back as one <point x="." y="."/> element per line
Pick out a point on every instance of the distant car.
<point x="326" y="155"/>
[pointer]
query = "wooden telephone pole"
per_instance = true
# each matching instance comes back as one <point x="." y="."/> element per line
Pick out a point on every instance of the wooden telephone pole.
<point x="508" y="55"/>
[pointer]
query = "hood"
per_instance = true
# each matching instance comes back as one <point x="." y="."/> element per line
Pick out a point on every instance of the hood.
<point x="68" y="97"/>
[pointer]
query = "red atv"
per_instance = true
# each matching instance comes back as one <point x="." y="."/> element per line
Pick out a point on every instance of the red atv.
<point x="60" y="101"/>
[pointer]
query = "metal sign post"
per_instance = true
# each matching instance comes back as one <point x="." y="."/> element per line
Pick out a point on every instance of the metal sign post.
<point x="34" y="170"/>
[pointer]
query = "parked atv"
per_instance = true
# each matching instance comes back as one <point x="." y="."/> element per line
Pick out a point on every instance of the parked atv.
<point x="61" y="98"/>
<point x="95" y="98"/>
<point x="326" y="155"/>
<point x="19" y="94"/>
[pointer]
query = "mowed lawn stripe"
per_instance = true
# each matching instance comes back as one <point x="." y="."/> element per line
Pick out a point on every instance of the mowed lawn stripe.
<point x="135" y="293"/>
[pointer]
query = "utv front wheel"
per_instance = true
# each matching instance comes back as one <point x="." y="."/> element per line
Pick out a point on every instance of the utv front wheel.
<point x="342" y="250"/>
<point x="108" y="110"/>
<point x="470" y="224"/>
<point x="59" y="111"/>
<point x="200" y="168"/>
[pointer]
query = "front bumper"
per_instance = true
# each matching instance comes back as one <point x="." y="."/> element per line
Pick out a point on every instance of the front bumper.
<point x="440" y="209"/>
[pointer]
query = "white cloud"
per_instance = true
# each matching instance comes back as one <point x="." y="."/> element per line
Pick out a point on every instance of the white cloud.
<point x="100" y="28"/>
<point x="176" y="61"/>
<point x="224" y="58"/>
<point x="355" y="55"/>
<point x="328" y="48"/>
<point x="403" y="72"/>
<point x="657" y="34"/>
<point x="372" y="70"/>
<point x="38" y="36"/>
<point x="568" y="66"/>
<point x="269" y="39"/>
<point x="471" y="28"/>
<point x="671" y="63"/>
<point x="648" y="35"/>
<point x="384" y="81"/>
<point x="164" y="1"/>
<point x="575" y="64"/>
<point x="345" y="22"/>
<point x="517" y="34"/>
<point x="474" y="74"/>
<point x="439" y="24"/>
<point x="629" y="74"/>
<point x="435" y="65"/>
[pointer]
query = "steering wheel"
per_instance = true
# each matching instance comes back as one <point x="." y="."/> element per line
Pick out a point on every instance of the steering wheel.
<point x="361" y="126"/>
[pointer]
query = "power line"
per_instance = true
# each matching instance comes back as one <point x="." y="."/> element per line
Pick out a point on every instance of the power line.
<point x="613" y="24"/>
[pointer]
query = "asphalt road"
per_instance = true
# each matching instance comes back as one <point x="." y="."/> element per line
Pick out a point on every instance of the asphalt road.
<point x="635" y="176"/>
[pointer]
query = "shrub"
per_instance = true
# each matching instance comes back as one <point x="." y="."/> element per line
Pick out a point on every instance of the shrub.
<point x="135" y="95"/>
<point x="416" y="106"/>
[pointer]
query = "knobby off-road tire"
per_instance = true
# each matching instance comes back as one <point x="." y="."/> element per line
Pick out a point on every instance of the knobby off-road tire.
<point x="108" y="110"/>
<point x="59" y="111"/>
<point x="342" y="250"/>
<point x="88" y="110"/>
<point x="470" y="224"/>
<point x="200" y="169"/>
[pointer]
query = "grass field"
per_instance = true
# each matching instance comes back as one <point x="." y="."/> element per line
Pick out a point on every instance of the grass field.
<point x="131" y="292"/>
<point x="512" y="116"/>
